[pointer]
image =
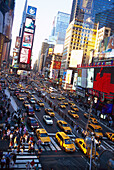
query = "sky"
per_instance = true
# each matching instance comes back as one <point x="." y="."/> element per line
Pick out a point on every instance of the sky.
<point x="46" y="10"/>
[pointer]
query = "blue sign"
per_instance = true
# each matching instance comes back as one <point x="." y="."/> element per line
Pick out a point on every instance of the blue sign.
<point x="31" y="11"/>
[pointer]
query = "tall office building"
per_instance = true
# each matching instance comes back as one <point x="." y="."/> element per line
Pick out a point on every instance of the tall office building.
<point x="60" y="24"/>
<point x="106" y="19"/>
<point x="84" y="9"/>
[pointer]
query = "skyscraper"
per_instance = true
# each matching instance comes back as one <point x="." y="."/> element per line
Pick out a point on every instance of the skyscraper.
<point x="60" y="24"/>
<point x="84" y="9"/>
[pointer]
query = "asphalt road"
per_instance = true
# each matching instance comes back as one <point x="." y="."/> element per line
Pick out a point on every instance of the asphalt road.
<point x="53" y="157"/>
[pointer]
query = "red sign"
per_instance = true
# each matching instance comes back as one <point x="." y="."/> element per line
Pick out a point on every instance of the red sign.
<point x="57" y="65"/>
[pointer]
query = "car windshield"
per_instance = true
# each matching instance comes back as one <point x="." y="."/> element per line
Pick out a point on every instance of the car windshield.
<point x="48" y="118"/>
<point x="33" y="121"/>
<point x="73" y="112"/>
<point x="30" y="110"/>
<point x="98" y="130"/>
<point x="68" y="141"/>
<point x="49" y="110"/>
<point x="65" y="125"/>
<point x="43" y="135"/>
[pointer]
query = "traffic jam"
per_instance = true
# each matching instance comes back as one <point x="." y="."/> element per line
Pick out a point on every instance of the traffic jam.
<point x="58" y="119"/>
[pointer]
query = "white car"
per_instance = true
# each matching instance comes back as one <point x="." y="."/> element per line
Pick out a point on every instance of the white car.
<point x="48" y="120"/>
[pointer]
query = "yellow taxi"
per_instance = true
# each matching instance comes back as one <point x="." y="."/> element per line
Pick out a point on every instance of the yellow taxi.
<point x="40" y="103"/>
<point x="43" y="136"/>
<point x="62" y="105"/>
<point x="73" y="107"/>
<point x="52" y="97"/>
<point x="65" y="103"/>
<point x="93" y="120"/>
<point x="59" y="98"/>
<point x="110" y="136"/>
<point x="50" y="112"/>
<point x="81" y="144"/>
<point x="73" y="114"/>
<point x="71" y="102"/>
<point x="65" y="142"/>
<point x="96" y="129"/>
<point x="86" y="115"/>
<point x="64" y="126"/>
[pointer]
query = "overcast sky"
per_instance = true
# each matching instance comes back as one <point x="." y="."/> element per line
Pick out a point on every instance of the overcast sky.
<point x="46" y="10"/>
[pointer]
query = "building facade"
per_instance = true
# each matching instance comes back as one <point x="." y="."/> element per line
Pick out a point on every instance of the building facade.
<point x="6" y="22"/>
<point x="60" y="24"/>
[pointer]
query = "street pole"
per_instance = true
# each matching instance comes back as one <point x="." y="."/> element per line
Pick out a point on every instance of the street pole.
<point x="90" y="111"/>
<point x="91" y="156"/>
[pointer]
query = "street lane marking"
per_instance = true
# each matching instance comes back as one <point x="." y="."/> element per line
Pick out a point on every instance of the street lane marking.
<point x="108" y="145"/>
<point x="54" y="143"/>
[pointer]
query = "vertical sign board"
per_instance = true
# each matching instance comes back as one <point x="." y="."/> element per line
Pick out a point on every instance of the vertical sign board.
<point x="27" y="39"/>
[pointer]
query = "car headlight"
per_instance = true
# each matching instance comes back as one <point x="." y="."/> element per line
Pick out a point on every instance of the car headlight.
<point x="32" y="126"/>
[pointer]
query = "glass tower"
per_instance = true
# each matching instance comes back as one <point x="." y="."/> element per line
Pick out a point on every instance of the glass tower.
<point x="101" y="11"/>
<point x="61" y="22"/>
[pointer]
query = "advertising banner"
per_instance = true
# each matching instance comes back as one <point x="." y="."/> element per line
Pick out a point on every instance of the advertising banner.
<point x="29" y="25"/>
<point x="84" y="78"/>
<point x="56" y="65"/>
<point x="87" y="4"/>
<point x="32" y="11"/>
<point x="75" y="81"/>
<point x="76" y="58"/>
<point x="104" y="80"/>
<point x="64" y="76"/>
<point x="18" y="41"/>
<point x="25" y="56"/>
<point x="90" y="77"/>
<point x="27" y="40"/>
<point x="68" y="76"/>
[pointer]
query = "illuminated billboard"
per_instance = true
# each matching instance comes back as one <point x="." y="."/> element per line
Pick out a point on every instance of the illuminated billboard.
<point x="29" y="25"/>
<point x="56" y="65"/>
<point x="68" y="76"/>
<point x="17" y="43"/>
<point x="64" y="76"/>
<point x="79" y="77"/>
<point x="32" y="11"/>
<point x="90" y="77"/>
<point x="104" y="80"/>
<point x="75" y="81"/>
<point x="25" y="56"/>
<point x="76" y="58"/>
<point x="27" y="40"/>
<point x="84" y="78"/>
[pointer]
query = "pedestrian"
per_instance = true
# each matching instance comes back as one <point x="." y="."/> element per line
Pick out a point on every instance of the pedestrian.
<point x="22" y="148"/>
<point x="1" y="155"/>
<point x="7" y="162"/>
<point x="28" y="166"/>
<point x="18" y="148"/>
<point x="39" y="143"/>
<point x="14" y="158"/>
<point x="32" y="163"/>
<point x="3" y="162"/>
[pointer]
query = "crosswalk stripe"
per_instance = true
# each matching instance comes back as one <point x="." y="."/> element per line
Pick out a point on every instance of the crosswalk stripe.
<point x="47" y="148"/>
<point x="57" y="147"/>
<point x="27" y="157"/>
<point x="52" y="147"/>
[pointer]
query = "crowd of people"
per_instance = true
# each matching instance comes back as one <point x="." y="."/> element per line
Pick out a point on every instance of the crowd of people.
<point x="15" y="132"/>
